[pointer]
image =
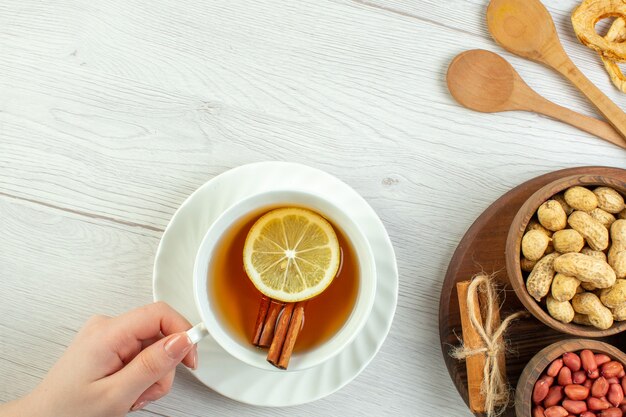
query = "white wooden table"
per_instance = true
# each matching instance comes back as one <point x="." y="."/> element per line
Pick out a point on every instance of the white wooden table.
<point x="112" y="112"/>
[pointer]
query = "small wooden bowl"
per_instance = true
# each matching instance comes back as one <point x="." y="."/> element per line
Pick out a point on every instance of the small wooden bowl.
<point x="513" y="248"/>
<point x="539" y="362"/>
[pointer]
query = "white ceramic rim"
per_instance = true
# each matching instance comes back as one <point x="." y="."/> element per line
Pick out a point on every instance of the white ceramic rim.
<point x="220" y="371"/>
<point x="266" y="201"/>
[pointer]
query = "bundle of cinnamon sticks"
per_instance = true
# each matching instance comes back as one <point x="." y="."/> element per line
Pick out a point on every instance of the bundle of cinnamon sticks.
<point x="277" y="327"/>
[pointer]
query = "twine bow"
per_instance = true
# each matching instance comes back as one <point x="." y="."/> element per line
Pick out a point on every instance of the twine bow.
<point x="494" y="386"/>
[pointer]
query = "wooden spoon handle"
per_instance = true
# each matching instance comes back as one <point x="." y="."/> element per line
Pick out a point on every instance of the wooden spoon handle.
<point x="609" y="110"/>
<point x="591" y="125"/>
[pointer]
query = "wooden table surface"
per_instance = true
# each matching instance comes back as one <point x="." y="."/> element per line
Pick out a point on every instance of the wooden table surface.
<point x="113" y="112"/>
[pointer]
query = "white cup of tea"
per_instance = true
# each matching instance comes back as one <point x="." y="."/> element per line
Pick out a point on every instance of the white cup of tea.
<point x="206" y="303"/>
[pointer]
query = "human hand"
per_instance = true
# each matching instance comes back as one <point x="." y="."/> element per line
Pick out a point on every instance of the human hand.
<point x="113" y="365"/>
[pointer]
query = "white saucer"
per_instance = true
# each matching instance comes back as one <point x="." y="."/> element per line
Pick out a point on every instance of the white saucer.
<point x="173" y="283"/>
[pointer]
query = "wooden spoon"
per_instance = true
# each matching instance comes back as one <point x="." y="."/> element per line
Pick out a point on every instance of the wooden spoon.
<point x="525" y="28"/>
<point x="486" y="82"/>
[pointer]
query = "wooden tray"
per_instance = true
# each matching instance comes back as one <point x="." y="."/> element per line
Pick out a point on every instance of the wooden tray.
<point x="482" y="249"/>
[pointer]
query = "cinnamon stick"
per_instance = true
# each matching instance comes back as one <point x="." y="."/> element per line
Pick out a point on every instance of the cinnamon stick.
<point x="260" y="319"/>
<point x="295" y="324"/>
<point x="270" y="323"/>
<point x="474" y="364"/>
<point x="273" y="354"/>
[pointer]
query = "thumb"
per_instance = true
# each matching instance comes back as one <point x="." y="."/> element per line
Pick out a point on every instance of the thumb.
<point x="152" y="364"/>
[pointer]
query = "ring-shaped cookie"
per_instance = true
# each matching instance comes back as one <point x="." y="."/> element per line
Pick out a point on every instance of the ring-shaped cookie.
<point x="585" y="18"/>
<point x="617" y="33"/>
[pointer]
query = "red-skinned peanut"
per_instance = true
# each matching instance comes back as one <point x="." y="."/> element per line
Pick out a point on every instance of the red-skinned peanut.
<point x="588" y="361"/>
<point x="555" y="367"/>
<point x="554" y="397"/>
<point x="555" y="411"/>
<point x="611" y="369"/>
<point x="565" y="376"/>
<point x="576" y="392"/>
<point x="538" y="411"/>
<point x="579" y="377"/>
<point x="572" y="361"/>
<point x="615" y="395"/>
<point x="574" y="407"/>
<point x="600" y="387"/>
<point x="597" y="404"/>
<point x="611" y="412"/>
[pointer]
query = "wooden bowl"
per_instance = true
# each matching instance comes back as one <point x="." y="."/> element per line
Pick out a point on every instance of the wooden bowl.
<point x="539" y="362"/>
<point x="513" y="246"/>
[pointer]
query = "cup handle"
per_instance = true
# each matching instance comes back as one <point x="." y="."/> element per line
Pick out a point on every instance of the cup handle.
<point x="197" y="333"/>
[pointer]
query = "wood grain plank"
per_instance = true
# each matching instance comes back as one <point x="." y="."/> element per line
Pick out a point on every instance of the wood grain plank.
<point x="79" y="131"/>
<point x="46" y="295"/>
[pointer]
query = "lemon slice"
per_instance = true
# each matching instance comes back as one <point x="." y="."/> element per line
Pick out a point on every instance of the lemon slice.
<point x="291" y="254"/>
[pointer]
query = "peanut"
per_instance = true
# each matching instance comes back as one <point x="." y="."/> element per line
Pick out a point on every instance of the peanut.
<point x="554" y="397"/>
<point x="615" y="395"/>
<point x="615" y="295"/>
<point x="565" y="377"/>
<point x="600" y="387"/>
<point x="555" y="367"/>
<point x="575" y="407"/>
<point x="622" y="214"/>
<point x="535" y="225"/>
<point x="560" y="310"/>
<point x="588" y="286"/>
<point x="585" y="268"/>
<point x="595" y="253"/>
<point x="611" y="369"/>
<point x="580" y="198"/>
<point x="567" y="240"/>
<point x="603" y="320"/>
<point x="599" y="316"/>
<point x="619" y="313"/>
<point x="540" y="278"/>
<point x="564" y="287"/>
<point x="601" y="358"/>
<point x="527" y="265"/>
<point x="579" y="377"/>
<point x="538" y="411"/>
<point x="609" y="200"/>
<point x="576" y="392"/>
<point x="549" y="380"/>
<point x="555" y="411"/>
<point x="595" y="234"/>
<point x="618" y="233"/>
<point x="597" y="404"/>
<point x="552" y="216"/>
<point x="581" y="319"/>
<point x="534" y="245"/>
<point x="618" y="239"/>
<point x="619" y="264"/>
<point x="603" y="217"/>
<point x="588" y="360"/>
<point x="611" y="412"/>
<point x="572" y="361"/>
<point x="561" y="200"/>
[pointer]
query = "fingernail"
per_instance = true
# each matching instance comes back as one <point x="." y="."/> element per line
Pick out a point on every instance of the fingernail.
<point x="178" y="346"/>
<point x="194" y="359"/>
<point x="139" y="405"/>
